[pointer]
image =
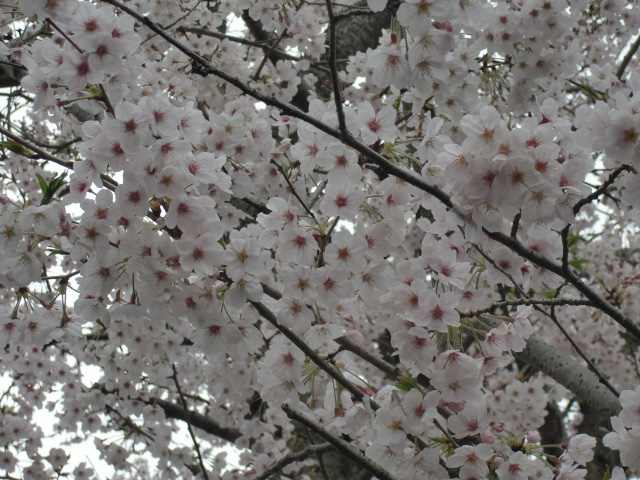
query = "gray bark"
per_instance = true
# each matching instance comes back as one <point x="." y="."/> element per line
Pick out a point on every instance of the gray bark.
<point x="581" y="381"/>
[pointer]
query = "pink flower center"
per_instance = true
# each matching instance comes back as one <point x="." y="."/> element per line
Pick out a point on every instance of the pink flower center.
<point x="374" y="125"/>
<point x="342" y="200"/>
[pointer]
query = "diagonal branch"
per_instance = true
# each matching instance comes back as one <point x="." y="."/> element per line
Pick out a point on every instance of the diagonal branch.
<point x="40" y="153"/>
<point x="203" y="67"/>
<point x="293" y="190"/>
<point x="294" y="457"/>
<point x="188" y="420"/>
<point x="602" y="189"/>
<point x="343" y="447"/>
<point x="542" y="261"/>
<point x="309" y="352"/>
<point x="366" y="355"/>
<point x="575" y="346"/>
<point x="275" y="53"/>
<point x="627" y="58"/>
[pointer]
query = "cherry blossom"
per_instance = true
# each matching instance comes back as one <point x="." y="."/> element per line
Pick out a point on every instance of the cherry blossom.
<point x="406" y="228"/>
<point x="376" y="125"/>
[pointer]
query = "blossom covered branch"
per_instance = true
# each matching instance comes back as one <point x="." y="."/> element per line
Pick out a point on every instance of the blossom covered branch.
<point x="361" y="221"/>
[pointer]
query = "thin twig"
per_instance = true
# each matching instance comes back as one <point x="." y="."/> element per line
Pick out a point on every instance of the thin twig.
<point x="325" y="242"/>
<point x="277" y="53"/>
<point x="171" y="25"/>
<point x="58" y="147"/>
<point x="444" y="431"/>
<point x="594" y="369"/>
<point x="493" y="263"/>
<point x="565" y="248"/>
<point x="596" y="300"/>
<point x="293" y="190"/>
<point x="105" y="99"/>
<point x="66" y="37"/>
<point x="602" y="189"/>
<point x="267" y="54"/>
<point x="41" y="153"/>
<point x="61" y="277"/>
<point x="528" y="301"/>
<point x="337" y="96"/>
<point x="188" y="420"/>
<point x="129" y="423"/>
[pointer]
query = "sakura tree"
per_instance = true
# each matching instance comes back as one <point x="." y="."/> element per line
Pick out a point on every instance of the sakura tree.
<point x="356" y="239"/>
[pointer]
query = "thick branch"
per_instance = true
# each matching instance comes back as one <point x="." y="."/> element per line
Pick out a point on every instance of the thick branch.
<point x="11" y="74"/>
<point x="366" y="355"/>
<point x="196" y="419"/>
<point x="627" y="58"/>
<point x="567" y="372"/>
<point x="356" y="33"/>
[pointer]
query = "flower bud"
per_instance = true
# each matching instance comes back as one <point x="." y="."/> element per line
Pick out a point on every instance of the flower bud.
<point x="533" y="436"/>
<point x="487" y="437"/>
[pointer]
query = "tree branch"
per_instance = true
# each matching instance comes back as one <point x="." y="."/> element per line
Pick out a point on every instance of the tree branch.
<point x="567" y="372"/>
<point x="313" y="356"/>
<point x="188" y="420"/>
<point x="541" y="261"/>
<point x="333" y="68"/>
<point x="527" y="301"/>
<point x="294" y="457"/>
<point x="602" y="189"/>
<point x="205" y="68"/>
<point x="40" y="153"/>
<point x="344" y="448"/>
<point x="366" y="355"/>
<point x="627" y="58"/>
<point x="275" y="53"/>
<point x="198" y="420"/>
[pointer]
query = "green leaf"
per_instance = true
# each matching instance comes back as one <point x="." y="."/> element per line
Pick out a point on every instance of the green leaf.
<point x="551" y="293"/>
<point x="49" y="190"/>
<point x="577" y="263"/>
<point x="42" y="182"/>
<point x="16" y="147"/>
<point x="57" y="251"/>
<point x="406" y="383"/>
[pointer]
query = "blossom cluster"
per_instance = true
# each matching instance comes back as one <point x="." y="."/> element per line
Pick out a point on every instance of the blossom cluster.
<point x="375" y="243"/>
